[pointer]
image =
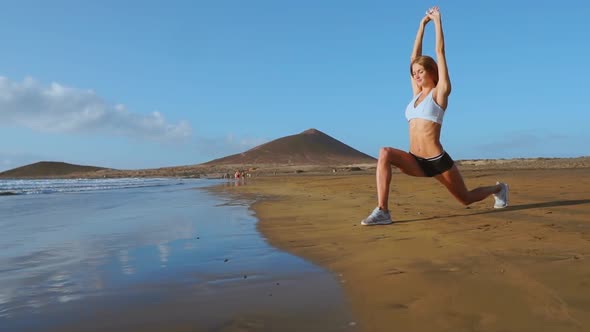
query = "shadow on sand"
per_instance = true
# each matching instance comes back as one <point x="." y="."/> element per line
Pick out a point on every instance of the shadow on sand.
<point x="508" y="209"/>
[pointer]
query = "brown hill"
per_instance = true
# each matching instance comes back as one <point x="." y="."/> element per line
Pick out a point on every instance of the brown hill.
<point x="311" y="147"/>
<point x="47" y="169"/>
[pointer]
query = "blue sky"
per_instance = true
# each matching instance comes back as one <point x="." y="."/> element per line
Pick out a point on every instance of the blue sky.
<point x="130" y="84"/>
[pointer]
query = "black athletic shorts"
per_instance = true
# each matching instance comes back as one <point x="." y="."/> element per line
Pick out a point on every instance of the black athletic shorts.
<point x="435" y="165"/>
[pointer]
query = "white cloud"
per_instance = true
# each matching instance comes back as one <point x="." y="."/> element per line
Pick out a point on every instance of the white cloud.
<point x="56" y="108"/>
<point x="530" y="143"/>
<point x="523" y="141"/>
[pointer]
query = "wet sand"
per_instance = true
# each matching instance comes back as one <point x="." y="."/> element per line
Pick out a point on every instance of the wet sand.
<point x="442" y="266"/>
<point x="152" y="255"/>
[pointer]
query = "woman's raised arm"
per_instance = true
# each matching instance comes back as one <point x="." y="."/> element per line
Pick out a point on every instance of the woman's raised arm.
<point x="444" y="82"/>
<point x="417" y="51"/>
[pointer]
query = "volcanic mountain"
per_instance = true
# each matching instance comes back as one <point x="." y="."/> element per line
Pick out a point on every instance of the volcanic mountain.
<point x="47" y="169"/>
<point x="311" y="147"/>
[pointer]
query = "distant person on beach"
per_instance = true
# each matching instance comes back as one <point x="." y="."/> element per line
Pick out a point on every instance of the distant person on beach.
<point x="427" y="158"/>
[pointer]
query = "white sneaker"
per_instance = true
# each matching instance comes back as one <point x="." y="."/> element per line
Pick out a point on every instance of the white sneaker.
<point x="377" y="217"/>
<point x="501" y="197"/>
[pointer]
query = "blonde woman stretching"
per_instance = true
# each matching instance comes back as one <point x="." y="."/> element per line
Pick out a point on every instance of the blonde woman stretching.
<point x="427" y="158"/>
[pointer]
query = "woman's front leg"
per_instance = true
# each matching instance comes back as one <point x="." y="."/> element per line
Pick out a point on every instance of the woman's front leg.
<point x="383" y="179"/>
<point x="400" y="159"/>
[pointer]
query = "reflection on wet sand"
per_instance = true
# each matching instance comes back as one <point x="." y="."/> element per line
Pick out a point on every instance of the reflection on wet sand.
<point x="160" y="259"/>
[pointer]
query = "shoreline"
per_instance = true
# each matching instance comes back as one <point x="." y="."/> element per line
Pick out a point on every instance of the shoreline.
<point x="442" y="266"/>
<point x="169" y="257"/>
<point x="269" y="170"/>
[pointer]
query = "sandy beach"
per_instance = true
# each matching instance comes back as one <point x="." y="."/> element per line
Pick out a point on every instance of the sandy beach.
<point x="442" y="266"/>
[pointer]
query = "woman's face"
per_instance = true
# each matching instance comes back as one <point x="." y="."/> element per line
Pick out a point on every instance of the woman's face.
<point x="420" y="74"/>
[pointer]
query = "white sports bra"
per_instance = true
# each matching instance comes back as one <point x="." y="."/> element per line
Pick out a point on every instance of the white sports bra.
<point x="428" y="109"/>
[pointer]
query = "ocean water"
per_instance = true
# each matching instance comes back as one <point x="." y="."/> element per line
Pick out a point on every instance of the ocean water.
<point x="150" y="255"/>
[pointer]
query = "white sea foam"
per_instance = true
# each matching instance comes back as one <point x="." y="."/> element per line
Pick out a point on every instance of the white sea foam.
<point x="50" y="186"/>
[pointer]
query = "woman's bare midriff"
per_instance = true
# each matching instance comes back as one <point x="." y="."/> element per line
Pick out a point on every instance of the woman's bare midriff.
<point x="425" y="138"/>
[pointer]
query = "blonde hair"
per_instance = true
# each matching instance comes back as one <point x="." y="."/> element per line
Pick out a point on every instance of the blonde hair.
<point x="429" y="65"/>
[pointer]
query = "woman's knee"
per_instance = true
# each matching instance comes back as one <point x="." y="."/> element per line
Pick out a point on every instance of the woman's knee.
<point x="464" y="198"/>
<point x="385" y="154"/>
<point x="464" y="201"/>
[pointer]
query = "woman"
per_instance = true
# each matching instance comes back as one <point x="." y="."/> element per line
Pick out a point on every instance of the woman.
<point x="431" y="86"/>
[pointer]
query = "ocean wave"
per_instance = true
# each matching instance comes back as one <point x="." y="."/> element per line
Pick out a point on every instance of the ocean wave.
<point x="41" y="187"/>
